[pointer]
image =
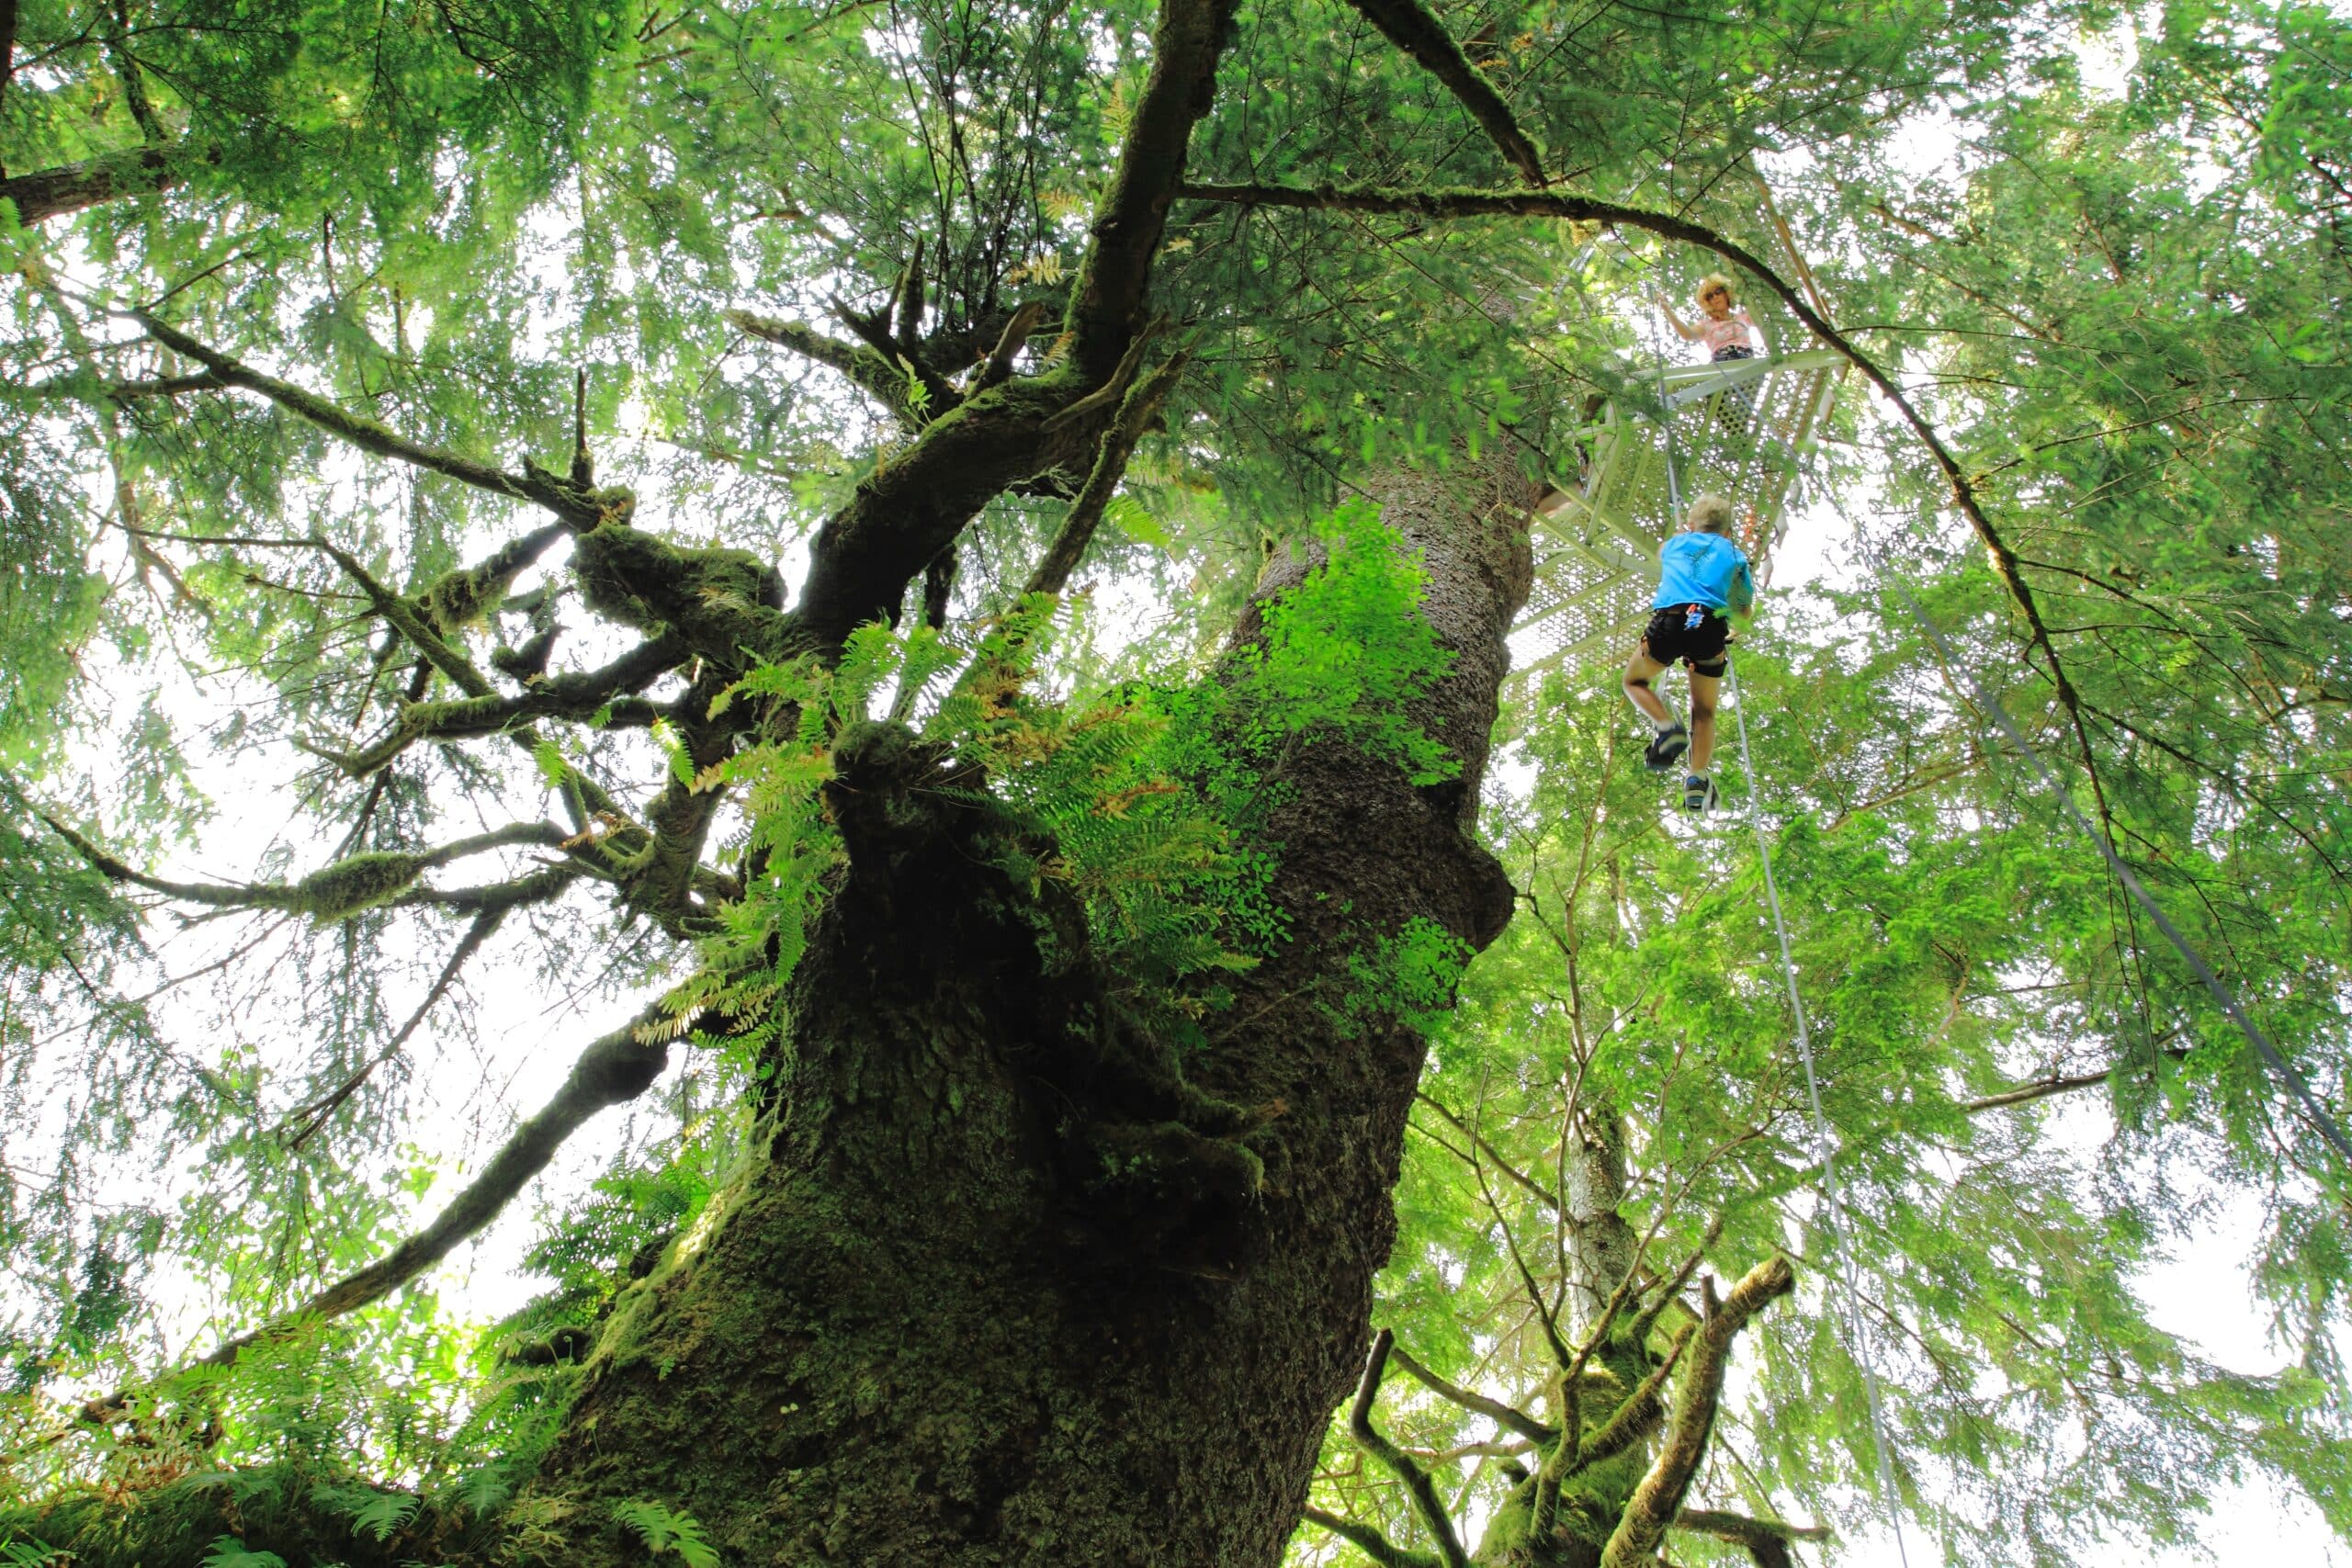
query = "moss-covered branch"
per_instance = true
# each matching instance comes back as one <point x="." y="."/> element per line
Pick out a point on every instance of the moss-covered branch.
<point x="1417" y="1485"/>
<point x="336" y="892"/>
<point x="1658" y="1499"/>
<point x="616" y="1067"/>
<point x="869" y="368"/>
<point x="1136" y="410"/>
<point x="604" y="696"/>
<point x="1371" y="1542"/>
<point x="1108" y="303"/>
<point x="1767" y="1541"/>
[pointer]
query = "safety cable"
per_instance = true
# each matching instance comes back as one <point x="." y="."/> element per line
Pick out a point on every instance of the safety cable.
<point x="1824" y="1145"/>
<point x="2269" y="1054"/>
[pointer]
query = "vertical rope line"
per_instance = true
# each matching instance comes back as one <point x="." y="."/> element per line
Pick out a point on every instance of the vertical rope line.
<point x="1823" y="1143"/>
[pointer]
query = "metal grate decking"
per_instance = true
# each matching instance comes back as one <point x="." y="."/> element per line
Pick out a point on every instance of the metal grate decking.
<point x="1742" y="429"/>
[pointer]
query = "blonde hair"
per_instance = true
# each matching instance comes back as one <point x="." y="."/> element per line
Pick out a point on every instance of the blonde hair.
<point x="1713" y="281"/>
<point x="1710" y="514"/>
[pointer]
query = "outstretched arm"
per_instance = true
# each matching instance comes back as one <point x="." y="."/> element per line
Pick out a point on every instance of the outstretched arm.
<point x="1688" y="332"/>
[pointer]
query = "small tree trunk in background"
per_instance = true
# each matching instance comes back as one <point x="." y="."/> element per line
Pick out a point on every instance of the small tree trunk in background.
<point x="924" y="1329"/>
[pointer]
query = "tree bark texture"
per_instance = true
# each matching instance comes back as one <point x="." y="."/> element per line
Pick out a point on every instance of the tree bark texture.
<point x="1003" y="1287"/>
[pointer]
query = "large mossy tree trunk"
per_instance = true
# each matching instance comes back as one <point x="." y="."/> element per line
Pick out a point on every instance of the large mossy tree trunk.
<point x="1000" y="1289"/>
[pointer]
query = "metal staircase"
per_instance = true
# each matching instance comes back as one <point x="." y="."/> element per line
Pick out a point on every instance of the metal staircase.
<point x="1742" y="428"/>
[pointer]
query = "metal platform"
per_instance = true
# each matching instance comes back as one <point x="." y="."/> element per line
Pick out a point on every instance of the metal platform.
<point x="1742" y="428"/>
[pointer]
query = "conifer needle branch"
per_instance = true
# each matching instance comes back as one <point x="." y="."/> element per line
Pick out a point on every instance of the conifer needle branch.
<point x="615" y="1068"/>
<point x="1658" y="1498"/>
<point x="1396" y="1461"/>
<point x="2065" y="1083"/>
<point x="1517" y="1177"/>
<point x="304" y="1121"/>
<point x="1371" y="1542"/>
<point x="1415" y="30"/>
<point x="1509" y="1415"/>
<point x="575" y="506"/>
<point x="1438" y="204"/>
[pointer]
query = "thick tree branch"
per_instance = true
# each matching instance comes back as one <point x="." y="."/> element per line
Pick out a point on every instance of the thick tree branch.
<point x="1767" y="1541"/>
<point x="1401" y="1464"/>
<point x="874" y="370"/>
<point x="1414" y="28"/>
<point x="1658" y="1499"/>
<point x="578" y="506"/>
<point x="1446" y="204"/>
<point x="1107" y="303"/>
<point x="45" y="194"/>
<point x="612" y="1070"/>
<point x="1504" y="1415"/>
<point x="335" y="891"/>
<point x="1371" y="1542"/>
<point x="577" y="696"/>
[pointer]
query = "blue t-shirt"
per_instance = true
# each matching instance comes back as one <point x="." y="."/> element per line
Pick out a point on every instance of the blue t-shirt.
<point x="1702" y="568"/>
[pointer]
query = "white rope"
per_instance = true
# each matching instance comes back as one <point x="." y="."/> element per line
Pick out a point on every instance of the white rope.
<point x="1824" y="1144"/>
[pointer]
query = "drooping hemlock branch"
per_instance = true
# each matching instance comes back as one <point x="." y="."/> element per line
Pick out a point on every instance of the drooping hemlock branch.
<point x="615" y="1068"/>
<point x="335" y="891"/>
<point x="1439" y="204"/>
<point x="574" y="503"/>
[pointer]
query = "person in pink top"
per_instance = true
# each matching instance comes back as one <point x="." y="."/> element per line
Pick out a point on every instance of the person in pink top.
<point x="1723" y="324"/>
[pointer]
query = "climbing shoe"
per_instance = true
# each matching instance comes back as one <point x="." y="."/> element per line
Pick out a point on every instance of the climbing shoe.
<point x="1698" y="793"/>
<point x="1666" y="746"/>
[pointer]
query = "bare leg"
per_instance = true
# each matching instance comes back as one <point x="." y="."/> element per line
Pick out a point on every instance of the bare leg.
<point x="1703" y="719"/>
<point x="1640" y="671"/>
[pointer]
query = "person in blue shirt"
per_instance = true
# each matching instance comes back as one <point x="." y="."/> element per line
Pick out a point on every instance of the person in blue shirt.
<point x="1701" y="574"/>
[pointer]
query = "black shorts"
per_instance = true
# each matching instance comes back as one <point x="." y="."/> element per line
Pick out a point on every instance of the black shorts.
<point x="1733" y="351"/>
<point x="1700" y="647"/>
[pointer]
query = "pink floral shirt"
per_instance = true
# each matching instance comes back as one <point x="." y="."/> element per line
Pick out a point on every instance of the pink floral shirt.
<point x="1729" y="332"/>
